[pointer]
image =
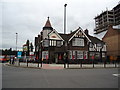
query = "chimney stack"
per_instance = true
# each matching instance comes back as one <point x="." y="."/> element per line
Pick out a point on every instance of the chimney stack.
<point x="86" y="32"/>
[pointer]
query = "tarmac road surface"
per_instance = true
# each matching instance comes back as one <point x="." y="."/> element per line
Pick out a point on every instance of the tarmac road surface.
<point x="17" y="77"/>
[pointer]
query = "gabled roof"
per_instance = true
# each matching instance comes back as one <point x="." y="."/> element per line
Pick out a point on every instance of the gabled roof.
<point x="90" y="38"/>
<point x="80" y="29"/>
<point x="66" y="37"/>
<point x="48" y="24"/>
<point x="111" y="32"/>
<point x="95" y="39"/>
<point x="54" y="31"/>
<point x="25" y="45"/>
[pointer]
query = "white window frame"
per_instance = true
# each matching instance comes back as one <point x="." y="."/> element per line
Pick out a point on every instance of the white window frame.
<point x="103" y="55"/>
<point x="74" y="54"/>
<point x="86" y="54"/>
<point x="46" y="43"/>
<point x="44" y="54"/>
<point x="78" y="42"/>
<point x="54" y="42"/>
<point x="70" y="54"/>
<point x="59" y="43"/>
<point x="50" y="43"/>
<point x="79" y="54"/>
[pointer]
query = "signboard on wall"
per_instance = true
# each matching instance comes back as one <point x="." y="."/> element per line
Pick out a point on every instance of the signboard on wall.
<point x="31" y="53"/>
<point x="25" y="48"/>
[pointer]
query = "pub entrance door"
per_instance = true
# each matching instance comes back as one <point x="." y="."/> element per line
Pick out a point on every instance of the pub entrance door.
<point x="59" y="57"/>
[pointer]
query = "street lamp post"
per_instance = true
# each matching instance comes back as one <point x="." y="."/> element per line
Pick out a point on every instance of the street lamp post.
<point x="41" y="53"/>
<point x="65" y="33"/>
<point x="16" y="45"/>
<point x="101" y="56"/>
<point x="16" y="40"/>
<point x="65" y="18"/>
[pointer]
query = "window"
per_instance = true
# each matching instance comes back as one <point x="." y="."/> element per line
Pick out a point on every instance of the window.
<point x="45" y="54"/>
<point x="78" y="42"/>
<point x="91" y="45"/>
<point x="91" y="54"/>
<point x="85" y="55"/>
<point x="99" y="44"/>
<point x="104" y="48"/>
<point x="50" y="43"/>
<point x="79" y="54"/>
<point x="70" y="54"/>
<point x="97" y="55"/>
<point x="73" y="55"/>
<point x="59" y="43"/>
<point x="54" y="43"/>
<point x="103" y="54"/>
<point x="46" y="43"/>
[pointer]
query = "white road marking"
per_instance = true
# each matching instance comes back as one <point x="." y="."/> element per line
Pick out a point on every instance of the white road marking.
<point x="117" y="75"/>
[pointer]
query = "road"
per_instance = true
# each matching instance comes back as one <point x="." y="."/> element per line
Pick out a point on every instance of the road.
<point x="16" y="77"/>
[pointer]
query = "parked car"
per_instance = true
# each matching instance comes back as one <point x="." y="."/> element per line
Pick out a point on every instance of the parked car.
<point x="3" y="59"/>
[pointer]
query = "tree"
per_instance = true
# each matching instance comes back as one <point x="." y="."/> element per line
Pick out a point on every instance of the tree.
<point x="28" y="48"/>
<point x="31" y="47"/>
<point x="10" y="49"/>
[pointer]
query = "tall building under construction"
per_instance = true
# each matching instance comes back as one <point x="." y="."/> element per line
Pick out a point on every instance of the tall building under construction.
<point x="107" y="18"/>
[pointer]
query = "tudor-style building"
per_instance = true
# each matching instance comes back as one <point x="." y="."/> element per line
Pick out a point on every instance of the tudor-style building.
<point x="54" y="47"/>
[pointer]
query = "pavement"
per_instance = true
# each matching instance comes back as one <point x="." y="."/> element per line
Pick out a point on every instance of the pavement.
<point x="61" y="66"/>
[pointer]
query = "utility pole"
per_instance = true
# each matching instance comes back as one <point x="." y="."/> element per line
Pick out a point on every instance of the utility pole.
<point x="16" y="42"/>
<point x="65" y="18"/>
<point x="65" y="33"/>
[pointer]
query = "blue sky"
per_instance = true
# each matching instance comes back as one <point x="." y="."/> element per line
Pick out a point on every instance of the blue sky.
<point x="27" y="17"/>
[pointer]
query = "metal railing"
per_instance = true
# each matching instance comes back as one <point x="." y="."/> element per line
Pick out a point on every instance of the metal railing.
<point x="28" y="62"/>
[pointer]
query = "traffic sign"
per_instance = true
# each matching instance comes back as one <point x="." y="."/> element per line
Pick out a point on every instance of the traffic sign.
<point x="19" y="54"/>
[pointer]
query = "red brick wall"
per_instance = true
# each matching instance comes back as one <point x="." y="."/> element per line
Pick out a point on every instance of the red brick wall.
<point x="112" y="41"/>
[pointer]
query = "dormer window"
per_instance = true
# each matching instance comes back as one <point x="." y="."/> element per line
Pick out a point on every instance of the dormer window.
<point x="78" y="42"/>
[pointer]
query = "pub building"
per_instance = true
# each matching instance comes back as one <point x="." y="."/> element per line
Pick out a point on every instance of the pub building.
<point x="54" y="47"/>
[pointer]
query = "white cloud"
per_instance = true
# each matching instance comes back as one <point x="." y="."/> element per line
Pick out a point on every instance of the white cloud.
<point x="27" y="17"/>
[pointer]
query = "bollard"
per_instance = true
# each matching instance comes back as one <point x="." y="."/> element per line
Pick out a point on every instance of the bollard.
<point x="27" y="63"/>
<point x="41" y="64"/>
<point x="68" y="65"/>
<point x="81" y="63"/>
<point x="18" y="62"/>
<point x="115" y="64"/>
<point x="93" y="64"/>
<point x="64" y="65"/>
<point x="38" y="64"/>
<point x="10" y="61"/>
<point x="104" y="64"/>
<point x="118" y="64"/>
